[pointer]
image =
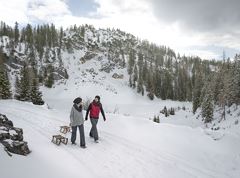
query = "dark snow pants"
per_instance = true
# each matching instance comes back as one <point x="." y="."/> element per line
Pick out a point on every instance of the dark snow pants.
<point x="93" y="132"/>
<point x="74" y="134"/>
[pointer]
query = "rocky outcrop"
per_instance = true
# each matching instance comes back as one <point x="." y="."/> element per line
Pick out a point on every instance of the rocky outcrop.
<point x="88" y="56"/>
<point x="107" y="67"/>
<point x="12" y="137"/>
<point x="117" y="76"/>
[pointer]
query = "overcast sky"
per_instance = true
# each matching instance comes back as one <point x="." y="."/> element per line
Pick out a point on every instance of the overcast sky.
<point x="192" y="27"/>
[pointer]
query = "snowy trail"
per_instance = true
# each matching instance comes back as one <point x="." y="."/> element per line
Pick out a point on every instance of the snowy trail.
<point x="119" y="154"/>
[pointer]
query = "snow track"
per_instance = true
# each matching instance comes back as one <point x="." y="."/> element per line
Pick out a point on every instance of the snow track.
<point x="116" y="155"/>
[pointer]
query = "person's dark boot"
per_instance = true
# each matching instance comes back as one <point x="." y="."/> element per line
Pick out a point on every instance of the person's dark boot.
<point x="90" y="135"/>
<point x="83" y="146"/>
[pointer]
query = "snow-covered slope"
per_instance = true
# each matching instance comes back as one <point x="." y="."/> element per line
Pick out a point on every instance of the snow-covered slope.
<point x="85" y="80"/>
<point x="129" y="146"/>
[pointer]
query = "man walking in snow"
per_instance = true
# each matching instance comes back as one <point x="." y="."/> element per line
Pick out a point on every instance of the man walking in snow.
<point x="94" y="108"/>
<point x="76" y="121"/>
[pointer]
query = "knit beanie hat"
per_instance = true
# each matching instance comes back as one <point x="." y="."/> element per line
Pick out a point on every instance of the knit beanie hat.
<point x="77" y="100"/>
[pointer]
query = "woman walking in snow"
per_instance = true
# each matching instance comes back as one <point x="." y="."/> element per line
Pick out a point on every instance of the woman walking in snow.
<point x="94" y="108"/>
<point x="76" y="121"/>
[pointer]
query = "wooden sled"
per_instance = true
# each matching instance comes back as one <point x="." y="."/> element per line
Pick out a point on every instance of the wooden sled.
<point x="58" y="139"/>
<point x="65" y="129"/>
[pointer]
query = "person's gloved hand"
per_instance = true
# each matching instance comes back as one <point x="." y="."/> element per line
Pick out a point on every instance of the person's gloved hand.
<point x="104" y="119"/>
<point x="86" y="118"/>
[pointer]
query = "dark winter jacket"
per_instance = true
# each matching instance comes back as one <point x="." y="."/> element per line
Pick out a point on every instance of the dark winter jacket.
<point x="94" y="108"/>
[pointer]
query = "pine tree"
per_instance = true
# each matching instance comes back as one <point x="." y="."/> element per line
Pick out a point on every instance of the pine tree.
<point x="130" y="81"/>
<point x="223" y="95"/>
<point x="29" y="34"/>
<point x="189" y="89"/>
<point x="24" y="90"/>
<point x="53" y="36"/>
<point x="140" y="60"/>
<point x="140" y="85"/>
<point x="60" y="38"/>
<point x="168" y="85"/>
<point x="197" y="92"/>
<point x="5" y="88"/>
<point x="144" y="72"/>
<point x="82" y="32"/>
<point x="163" y="91"/>
<point x="229" y="87"/>
<point x="131" y="61"/>
<point x="50" y="80"/>
<point x="16" y="33"/>
<point x="157" y="83"/>
<point x="31" y="56"/>
<point x="5" y="91"/>
<point x="182" y="83"/>
<point x="36" y="95"/>
<point x="150" y="84"/>
<point x="236" y="82"/>
<point x="207" y="107"/>
<point x="135" y="76"/>
<point x="47" y="56"/>
<point x="140" y="79"/>
<point x="17" y="88"/>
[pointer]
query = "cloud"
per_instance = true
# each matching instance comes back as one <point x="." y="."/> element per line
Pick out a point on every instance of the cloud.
<point x="46" y="11"/>
<point x="214" y="22"/>
<point x="10" y="11"/>
<point x="82" y="8"/>
<point x="32" y="11"/>
<point x="204" y="15"/>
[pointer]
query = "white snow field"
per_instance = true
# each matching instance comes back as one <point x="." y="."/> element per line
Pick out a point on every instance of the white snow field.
<point x="130" y="146"/>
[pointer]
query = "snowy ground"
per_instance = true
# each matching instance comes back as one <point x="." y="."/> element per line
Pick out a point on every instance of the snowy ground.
<point x="130" y="146"/>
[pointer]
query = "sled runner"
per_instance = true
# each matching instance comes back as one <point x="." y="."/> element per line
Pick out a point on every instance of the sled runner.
<point x="57" y="139"/>
<point x="65" y="129"/>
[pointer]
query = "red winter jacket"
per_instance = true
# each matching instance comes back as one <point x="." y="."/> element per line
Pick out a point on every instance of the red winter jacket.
<point x="94" y="108"/>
